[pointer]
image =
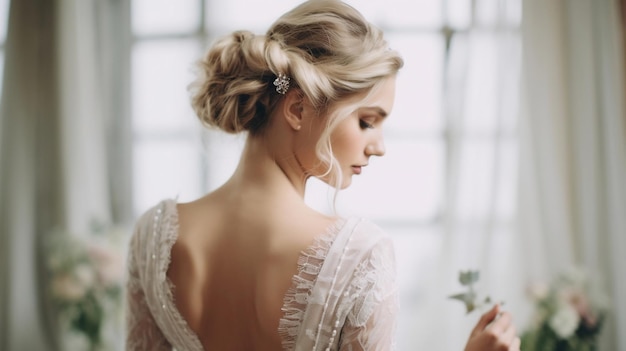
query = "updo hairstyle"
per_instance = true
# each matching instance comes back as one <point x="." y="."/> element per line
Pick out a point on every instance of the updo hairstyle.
<point x="326" y="47"/>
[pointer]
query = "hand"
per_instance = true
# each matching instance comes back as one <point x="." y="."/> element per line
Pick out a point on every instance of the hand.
<point x="494" y="332"/>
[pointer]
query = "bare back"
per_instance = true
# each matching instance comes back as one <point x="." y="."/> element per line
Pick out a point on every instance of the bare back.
<point x="232" y="264"/>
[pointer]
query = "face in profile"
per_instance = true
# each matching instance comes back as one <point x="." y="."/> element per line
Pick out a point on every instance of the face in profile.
<point x="360" y="135"/>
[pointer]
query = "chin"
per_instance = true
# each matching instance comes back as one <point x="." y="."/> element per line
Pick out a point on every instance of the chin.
<point x="347" y="181"/>
<point x="330" y="182"/>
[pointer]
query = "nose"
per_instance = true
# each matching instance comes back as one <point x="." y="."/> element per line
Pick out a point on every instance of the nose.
<point x="376" y="147"/>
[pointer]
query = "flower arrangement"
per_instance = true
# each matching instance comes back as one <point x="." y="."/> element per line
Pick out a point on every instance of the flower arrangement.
<point x="568" y="315"/>
<point x="85" y="285"/>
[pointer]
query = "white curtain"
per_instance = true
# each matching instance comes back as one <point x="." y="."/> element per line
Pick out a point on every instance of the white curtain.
<point x="573" y="146"/>
<point x="29" y="141"/>
<point x="93" y="56"/>
<point x="61" y="117"/>
<point x="482" y="104"/>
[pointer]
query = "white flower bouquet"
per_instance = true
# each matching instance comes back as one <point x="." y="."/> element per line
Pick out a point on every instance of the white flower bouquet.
<point x="568" y="315"/>
<point x="85" y="285"/>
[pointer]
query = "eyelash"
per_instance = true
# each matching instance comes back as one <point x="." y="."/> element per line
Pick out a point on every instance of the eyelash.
<point x="365" y="125"/>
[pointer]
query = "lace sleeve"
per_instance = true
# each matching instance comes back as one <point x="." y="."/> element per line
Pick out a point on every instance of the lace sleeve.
<point x="142" y="332"/>
<point x="371" y="322"/>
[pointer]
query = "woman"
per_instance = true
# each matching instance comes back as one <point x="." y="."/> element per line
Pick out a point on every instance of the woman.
<point x="250" y="266"/>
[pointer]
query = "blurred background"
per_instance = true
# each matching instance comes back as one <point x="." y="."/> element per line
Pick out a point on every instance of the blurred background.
<point x="506" y="154"/>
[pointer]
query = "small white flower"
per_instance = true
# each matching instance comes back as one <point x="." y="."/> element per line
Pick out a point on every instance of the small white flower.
<point x="565" y="321"/>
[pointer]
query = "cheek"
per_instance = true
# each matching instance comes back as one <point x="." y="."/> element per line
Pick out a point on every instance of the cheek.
<point x="346" y="143"/>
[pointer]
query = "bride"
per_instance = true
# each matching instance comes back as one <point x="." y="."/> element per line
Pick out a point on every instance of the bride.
<point x="249" y="266"/>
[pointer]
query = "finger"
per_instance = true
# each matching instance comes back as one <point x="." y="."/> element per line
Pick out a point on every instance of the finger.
<point x="509" y="335"/>
<point x="501" y="323"/>
<point x="486" y="318"/>
<point x="515" y="345"/>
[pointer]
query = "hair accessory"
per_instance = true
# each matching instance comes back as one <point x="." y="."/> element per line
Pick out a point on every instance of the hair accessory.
<point x="282" y="83"/>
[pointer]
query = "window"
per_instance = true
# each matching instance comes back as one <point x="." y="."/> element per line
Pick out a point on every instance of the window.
<point x="408" y="191"/>
<point x="168" y="159"/>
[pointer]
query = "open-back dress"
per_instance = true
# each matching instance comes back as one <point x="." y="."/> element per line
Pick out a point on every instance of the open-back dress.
<point x="343" y="297"/>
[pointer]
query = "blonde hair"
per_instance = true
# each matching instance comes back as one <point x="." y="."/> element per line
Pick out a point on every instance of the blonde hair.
<point x="326" y="47"/>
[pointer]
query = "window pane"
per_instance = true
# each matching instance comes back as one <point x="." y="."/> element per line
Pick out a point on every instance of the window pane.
<point x="417" y="251"/>
<point x="473" y="81"/>
<point x="475" y="179"/>
<point x="150" y="17"/>
<point x="162" y="70"/>
<point x="488" y="178"/>
<point x="507" y="157"/>
<point x="401" y="13"/>
<point x="481" y="89"/>
<point x="404" y="185"/>
<point x="165" y="169"/>
<point x="4" y="19"/>
<point x="513" y="11"/>
<point x="489" y="80"/>
<point x="222" y="151"/>
<point x="418" y="93"/>
<point x="486" y="12"/>
<point x="492" y="12"/>
<point x="226" y="16"/>
<point x="459" y="13"/>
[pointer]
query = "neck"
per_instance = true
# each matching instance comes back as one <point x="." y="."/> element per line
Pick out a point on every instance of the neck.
<point x="268" y="168"/>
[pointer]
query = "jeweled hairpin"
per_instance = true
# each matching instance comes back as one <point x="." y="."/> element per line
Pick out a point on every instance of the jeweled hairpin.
<point x="282" y="83"/>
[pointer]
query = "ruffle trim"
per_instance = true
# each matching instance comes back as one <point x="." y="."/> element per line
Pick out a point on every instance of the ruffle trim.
<point x="170" y="227"/>
<point x="310" y="263"/>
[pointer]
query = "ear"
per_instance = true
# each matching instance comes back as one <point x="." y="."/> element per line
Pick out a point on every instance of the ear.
<point x="293" y="108"/>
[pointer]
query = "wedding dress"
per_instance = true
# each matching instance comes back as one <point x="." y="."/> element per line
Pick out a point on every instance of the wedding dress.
<point x="342" y="298"/>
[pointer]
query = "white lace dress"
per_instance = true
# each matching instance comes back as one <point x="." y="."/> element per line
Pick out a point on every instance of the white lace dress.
<point x="343" y="297"/>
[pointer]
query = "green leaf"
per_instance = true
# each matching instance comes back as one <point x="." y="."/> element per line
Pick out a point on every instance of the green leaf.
<point x="468" y="299"/>
<point x="468" y="277"/>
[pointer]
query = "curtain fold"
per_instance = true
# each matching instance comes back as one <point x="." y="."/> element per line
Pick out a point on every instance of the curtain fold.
<point x="31" y="187"/>
<point x="573" y="195"/>
<point x="65" y="146"/>
<point x="544" y="168"/>
<point x="82" y="110"/>
<point x="94" y="63"/>
<point x="623" y="18"/>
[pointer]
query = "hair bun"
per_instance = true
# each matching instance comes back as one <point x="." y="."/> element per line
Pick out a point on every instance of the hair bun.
<point x="230" y="92"/>
<point x="326" y="47"/>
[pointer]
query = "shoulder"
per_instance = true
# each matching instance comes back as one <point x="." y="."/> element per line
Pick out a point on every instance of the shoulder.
<point x="151" y="223"/>
<point x="369" y="237"/>
<point x="370" y="249"/>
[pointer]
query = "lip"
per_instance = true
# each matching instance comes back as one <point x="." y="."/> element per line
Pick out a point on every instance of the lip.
<point x="356" y="169"/>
